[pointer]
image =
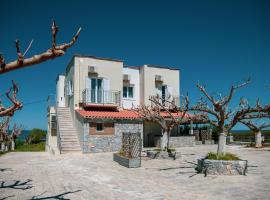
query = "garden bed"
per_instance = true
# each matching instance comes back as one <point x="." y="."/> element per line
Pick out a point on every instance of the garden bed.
<point x="127" y="162"/>
<point x="225" y="164"/>
<point x="222" y="167"/>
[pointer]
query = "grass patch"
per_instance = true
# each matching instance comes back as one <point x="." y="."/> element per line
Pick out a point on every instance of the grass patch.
<point x="121" y="152"/>
<point x="30" y="147"/>
<point x="2" y="153"/>
<point x="226" y="156"/>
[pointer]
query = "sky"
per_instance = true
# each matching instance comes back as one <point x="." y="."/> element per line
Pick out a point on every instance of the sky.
<point x="215" y="43"/>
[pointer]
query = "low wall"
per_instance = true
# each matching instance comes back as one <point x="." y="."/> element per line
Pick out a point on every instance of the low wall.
<point x="109" y="143"/>
<point x="222" y="167"/>
<point x="181" y="141"/>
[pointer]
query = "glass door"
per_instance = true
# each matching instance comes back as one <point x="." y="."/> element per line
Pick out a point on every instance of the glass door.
<point x="96" y="90"/>
<point x="163" y="93"/>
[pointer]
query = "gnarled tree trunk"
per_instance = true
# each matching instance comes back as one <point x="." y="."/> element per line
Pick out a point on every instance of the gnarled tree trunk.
<point x="164" y="141"/>
<point x="221" y="143"/>
<point x="258" y="139"/>
<point x="12" y="145"/>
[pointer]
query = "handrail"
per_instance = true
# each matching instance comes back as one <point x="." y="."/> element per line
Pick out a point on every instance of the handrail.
<point x="90" y="96"/>
<point x="58" y="132"/>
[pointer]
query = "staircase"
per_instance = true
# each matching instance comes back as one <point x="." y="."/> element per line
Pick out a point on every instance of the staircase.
<point x="67" y="132"/>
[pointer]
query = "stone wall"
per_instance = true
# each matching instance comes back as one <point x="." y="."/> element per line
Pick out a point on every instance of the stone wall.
<point x="108" y="143"/>
<point x="181" y="141"/>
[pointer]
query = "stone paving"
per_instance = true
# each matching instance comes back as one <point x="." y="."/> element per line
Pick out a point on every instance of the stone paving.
<point x="96" y="176"/>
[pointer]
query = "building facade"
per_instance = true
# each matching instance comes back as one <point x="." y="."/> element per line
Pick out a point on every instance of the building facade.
<point x="95" y="97"/>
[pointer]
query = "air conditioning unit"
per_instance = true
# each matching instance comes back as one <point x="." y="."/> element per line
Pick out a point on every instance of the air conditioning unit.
<point x="91" y="69"/>
<point x="126" y="77"/>
<point x="158" y="78"/>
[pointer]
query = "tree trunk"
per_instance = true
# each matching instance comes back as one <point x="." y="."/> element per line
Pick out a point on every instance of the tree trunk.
<point x="3" y="146"/>
<point x="164" y="141"/>
<point x="258" y="139"/>
<point x="221" y="144"/>
<point x="12" y="145"/>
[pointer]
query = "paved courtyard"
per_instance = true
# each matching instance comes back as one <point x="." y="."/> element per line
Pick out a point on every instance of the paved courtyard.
<point x="96" y="176"/>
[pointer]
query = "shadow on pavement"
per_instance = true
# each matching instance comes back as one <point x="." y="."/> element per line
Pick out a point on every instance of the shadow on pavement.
<point x="19" y="185"/>
<point x="7" y="197"/>
<point x="5" y="169"/>
<point x="58" y="196"/>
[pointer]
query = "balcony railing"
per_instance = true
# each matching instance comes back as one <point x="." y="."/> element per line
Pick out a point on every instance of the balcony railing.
<point x="166" y="99"/>
<point x="90" y="96"/>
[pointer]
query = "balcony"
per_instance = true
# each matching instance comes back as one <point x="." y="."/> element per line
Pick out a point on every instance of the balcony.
<point x="165" y="99"/>
<point x="96" y="98"/>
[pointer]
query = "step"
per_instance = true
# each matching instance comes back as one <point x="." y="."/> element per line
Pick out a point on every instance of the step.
<point x="69" y="135"/>
<point x="67" y="131"/>
<point x="70" y="149"/>
<point x="69" y="140"/>
<point x="70" y="145"/>
<point x="68" y="127"/>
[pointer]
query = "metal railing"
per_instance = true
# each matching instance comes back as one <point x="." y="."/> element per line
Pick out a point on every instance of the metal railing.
<point x="101" y="97"/>
<point x="58" y="133"/>
<point x="166" y="99"/>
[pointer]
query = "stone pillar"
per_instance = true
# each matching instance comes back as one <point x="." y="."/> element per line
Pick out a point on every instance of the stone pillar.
<point x="191" y="128"/>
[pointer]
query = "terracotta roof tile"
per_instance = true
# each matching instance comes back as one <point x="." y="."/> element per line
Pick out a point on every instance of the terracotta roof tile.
<point x="121" y="114"/>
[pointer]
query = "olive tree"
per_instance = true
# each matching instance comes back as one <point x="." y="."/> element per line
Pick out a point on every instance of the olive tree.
<point x="222" y="116"/>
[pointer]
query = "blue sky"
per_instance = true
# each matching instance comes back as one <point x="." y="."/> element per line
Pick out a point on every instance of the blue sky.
<point x="217" y="43"/>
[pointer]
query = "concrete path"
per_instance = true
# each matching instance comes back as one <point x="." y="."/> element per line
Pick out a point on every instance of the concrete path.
<point x="96" y="176"/>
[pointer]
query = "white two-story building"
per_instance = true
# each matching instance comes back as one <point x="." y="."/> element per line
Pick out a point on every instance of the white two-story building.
<point x="94" y="101"/>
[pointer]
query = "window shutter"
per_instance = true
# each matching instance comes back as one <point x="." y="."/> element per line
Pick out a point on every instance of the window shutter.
<point x="169" y="91"/>
<point x="106" y="84"/>
<point x="106" y="91"/>
<point x="87" y="89"/>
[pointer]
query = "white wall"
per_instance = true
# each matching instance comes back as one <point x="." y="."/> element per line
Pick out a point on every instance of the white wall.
<point x="134" y="75"/>
<point x="109" y="69"/>
<point x="51" y="141"/>
<point x="171" y="78"/>
<point x="60" y="87"/>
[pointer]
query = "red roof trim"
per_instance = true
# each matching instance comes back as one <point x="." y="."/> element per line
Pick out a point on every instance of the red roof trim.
<point x="121" y="114"/>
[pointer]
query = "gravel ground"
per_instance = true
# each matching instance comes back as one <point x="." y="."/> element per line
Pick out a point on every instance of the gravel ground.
<point x="96" y="176"/>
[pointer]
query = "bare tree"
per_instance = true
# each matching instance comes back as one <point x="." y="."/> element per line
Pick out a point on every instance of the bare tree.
<point x="219" y="114"/>
<point x="21" y="62"/>
<point x="256" y="128"/>
<point x="7" y="139"/>
<point x="53" y="52"/>
<point x="4" y="124"/>
<point x="166" y="118"/>
<point x="11" y="94"/>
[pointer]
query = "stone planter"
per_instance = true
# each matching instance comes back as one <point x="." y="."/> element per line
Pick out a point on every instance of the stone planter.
<point x="127" y="162"/>
<point x="222" y="167"/>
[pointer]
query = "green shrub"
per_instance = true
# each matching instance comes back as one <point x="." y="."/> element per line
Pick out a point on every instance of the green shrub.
<point x="226" y="156"/>
<point x="31" y="147"/>
<point x="35" y="136"/>
<point x="121" y="152"/>
<point x="19" y="143"/>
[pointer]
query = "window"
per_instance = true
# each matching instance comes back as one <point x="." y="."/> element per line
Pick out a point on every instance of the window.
<point x="100" y="127"/>
<point x="127" y="92"/>
<point x="53" y="125"/>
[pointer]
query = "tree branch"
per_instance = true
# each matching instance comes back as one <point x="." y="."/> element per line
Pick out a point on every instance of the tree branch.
<point x="54" y="52"/>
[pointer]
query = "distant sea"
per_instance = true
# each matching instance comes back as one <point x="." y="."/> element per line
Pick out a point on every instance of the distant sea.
<point x="24" y="135"/>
